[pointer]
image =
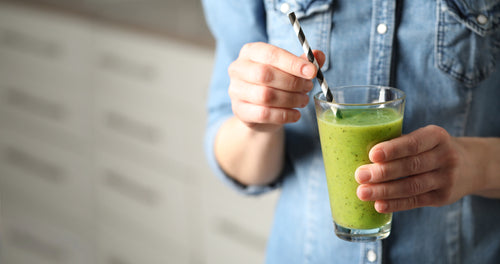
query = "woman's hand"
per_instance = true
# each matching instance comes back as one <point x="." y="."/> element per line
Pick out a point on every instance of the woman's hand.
<point x="428" y="167"/>
<point x="268" y="83"/>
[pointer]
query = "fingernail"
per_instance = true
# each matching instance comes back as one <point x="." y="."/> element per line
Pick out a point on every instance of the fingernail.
<point x="363" y="175"/>
<point x="381" y="207"/>
<point x="305" y="101"/>
<point x="377" y="155"/>
<point x="308" y="70"/>
<point x="364" y="193"/>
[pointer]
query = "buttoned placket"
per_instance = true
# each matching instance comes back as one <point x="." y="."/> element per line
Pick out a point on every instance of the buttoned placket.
<point x="381" y="42"/>
<point x="371" y="253"/>
<point x="379" y="73"/>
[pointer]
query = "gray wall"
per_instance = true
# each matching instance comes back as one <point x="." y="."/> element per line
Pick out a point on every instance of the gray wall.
<point x="101" y="125"/>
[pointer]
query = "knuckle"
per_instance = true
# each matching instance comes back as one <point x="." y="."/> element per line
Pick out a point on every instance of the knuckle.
<point x="412" y="202"/>
<point x="453" y="159"/>
<point x="415" y="164"/>
<point x="264" y="114"/>
<point x="437" y="130"/>
<point x="381" y="192"/>
<point x="413" y="145"/>
<point x="296" y="65"/>
<point x="267" y="96"/>
<point x="248" y="47"/>
<point x="449" y="171"/>
<point x="272" y="54"/>
<point x="266" y="53"/>
<point x="234" y="69"/>
<point x="244" y="49"/>
<point x="294" y="82"/>
<point x="262" y="74"/>
<point x="414" y="187"/>
<point x="380" y="173"/>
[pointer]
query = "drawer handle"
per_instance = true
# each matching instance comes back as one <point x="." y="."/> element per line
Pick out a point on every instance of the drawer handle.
<point x="34" y="165"/>
<point x="30" y="44"/>
<point x="130" y="127"/>
<point x="126" y="67"/>
<point x="130" y="189"/>
<point x="35" y="105"/>
<point x="36" y="245"/>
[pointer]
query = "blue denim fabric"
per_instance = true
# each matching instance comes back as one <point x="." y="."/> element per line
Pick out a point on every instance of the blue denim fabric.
<point x="442" y="53"/>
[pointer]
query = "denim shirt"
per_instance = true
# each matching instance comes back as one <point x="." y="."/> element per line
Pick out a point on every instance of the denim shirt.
<point x="442" y="53"/>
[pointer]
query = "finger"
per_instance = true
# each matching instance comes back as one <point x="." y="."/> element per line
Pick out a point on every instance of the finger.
<point x="395" y="169"/>
<point x="267" y="75"/>
<point x="319" y="55"/>
<point x="264" y="53"/>
<point x="250" y="113"/>
<point x="404" y="188"/>
<point x="266" y="96"/>
<point x="419" y="141"/>
<point x="395" y="205"/>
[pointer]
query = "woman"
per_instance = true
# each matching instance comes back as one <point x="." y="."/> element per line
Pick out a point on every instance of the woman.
<point x="441" y="178"/>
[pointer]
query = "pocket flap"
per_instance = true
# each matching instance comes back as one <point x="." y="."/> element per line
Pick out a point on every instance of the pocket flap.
<point x="482" y="17"/>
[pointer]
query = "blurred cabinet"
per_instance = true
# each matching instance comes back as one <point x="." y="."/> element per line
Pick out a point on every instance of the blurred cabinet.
<point x="32" y="235"/>
<point x="101" y="159"/>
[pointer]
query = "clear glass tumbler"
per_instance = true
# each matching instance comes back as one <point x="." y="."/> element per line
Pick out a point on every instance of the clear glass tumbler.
<point x="360" y="117"/>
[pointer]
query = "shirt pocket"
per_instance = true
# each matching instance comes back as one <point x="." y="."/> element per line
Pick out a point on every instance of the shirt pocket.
<point x="468" y="39"/>
<point x="315" y="17"/>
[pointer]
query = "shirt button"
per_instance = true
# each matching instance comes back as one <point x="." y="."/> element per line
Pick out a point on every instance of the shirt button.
<point x="371" y="255"/>
<point x="482" y="19"/>
<point x="382" y="28"/>
<point x="284" y="8"/>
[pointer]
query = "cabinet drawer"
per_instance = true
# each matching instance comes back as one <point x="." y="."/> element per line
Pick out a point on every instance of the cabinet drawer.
<point x="149" y="127"/>
<point x="123" y="246"/>
<point x="43" y="175"/>
<point x="254" y="213"/>
<point x="142" y="199"/>
<point x="28" y="237"/>
<point x="152" y="65"/>
<point x="41" y="39"/>
<point x="59" y="105"/>
<point x="230" y="243"/>
<point x="128" y="58"/>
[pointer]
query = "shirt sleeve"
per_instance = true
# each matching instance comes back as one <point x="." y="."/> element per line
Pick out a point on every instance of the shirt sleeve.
<point x="233" y="24"/>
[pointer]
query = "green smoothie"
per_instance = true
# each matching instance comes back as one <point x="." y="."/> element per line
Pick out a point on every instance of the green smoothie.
<point x="345" y="144"/>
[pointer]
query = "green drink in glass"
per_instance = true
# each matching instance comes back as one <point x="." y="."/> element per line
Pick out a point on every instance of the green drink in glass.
<point x="368" y="115"/>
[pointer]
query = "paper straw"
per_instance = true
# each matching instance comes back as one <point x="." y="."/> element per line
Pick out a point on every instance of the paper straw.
<point x="310" y="56"/>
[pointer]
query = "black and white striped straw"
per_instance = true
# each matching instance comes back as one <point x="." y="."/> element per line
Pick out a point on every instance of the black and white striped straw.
<point x="310" y="56"/>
